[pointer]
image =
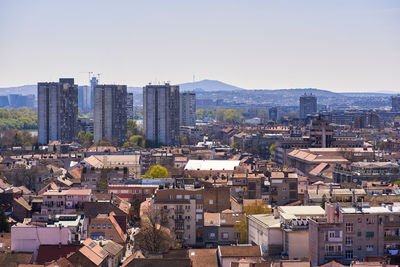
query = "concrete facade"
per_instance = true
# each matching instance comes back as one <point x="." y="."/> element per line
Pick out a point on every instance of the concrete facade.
<point x="308" y="105"/>
<point x="110" y="113"/>
<point x="187" y="109"/>
<point x="57" y="111"/>
<point x="161" y="114"/>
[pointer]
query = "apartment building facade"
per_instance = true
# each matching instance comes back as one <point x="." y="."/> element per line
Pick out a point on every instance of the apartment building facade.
<point x="349" y="233"/>
<point x="110" y="113"/>
<point x="57" y="111"/>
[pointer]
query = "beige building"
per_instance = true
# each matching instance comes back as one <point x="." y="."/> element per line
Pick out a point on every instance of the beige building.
<point x="132" y="163"/>
<point x="284" y="188"/>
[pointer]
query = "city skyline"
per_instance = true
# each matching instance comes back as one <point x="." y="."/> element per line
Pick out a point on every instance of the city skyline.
<point x="338" y="46"/>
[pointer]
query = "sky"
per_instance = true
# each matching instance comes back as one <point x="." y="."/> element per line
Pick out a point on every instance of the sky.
<point x="349" y="45"/>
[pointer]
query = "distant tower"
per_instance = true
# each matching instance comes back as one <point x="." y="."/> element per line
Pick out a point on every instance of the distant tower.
<point x="129" y="106"/>
<point x="187" y="109"/>
<point x="110" y="113"/>
<point x="57" y="111"/>
<point x="273" y="114"/>
<point x="161" y="114"/>
<point x="308" y="105"/>
<point x="93" y="82"/>
<point x="396" y="103"/>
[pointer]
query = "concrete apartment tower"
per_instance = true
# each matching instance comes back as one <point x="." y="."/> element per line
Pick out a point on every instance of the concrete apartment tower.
<point x="129" y="106"/>
<point x="57" y="111"/>
<point x="187" y="109"/>
<point x="110" y="113"/>
<point x="396" y="103"/>
<point x="308" y="105"/>
<point x="161" y="114"/>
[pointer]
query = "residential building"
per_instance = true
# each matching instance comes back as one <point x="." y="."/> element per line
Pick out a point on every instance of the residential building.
<point x="129" y="106"/>
<point x="93" y="83"/>
<point x="273" y="114"/>
<point x="228" y="255"/>
<point x="187" y="109"/>
<point x="57" y="111"/>
<point x="308" y="105"/>
<point x="64" y="201"/>
<point x="396" y="103"/>
<point x="357" y="172"/>
<point x="84" y="99"/>
<point x="110" y="113"/>
<point x="161" y="114"/>
<point x="91" y="255"/>
<point x="106" y="227"/>
<point x="265" y="230"/>
<point x="219" y="228"/>
<point x="353" y="233"/>
<point x="283" y="188"/>
<point x="28" y="238"/>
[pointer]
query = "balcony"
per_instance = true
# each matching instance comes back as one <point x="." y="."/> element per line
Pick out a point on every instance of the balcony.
<point x="179" y="230"/>
<point x="333" y="254"/>
<point x="179" y="220"/>
<point x="179" y="211"/>
<point x="391" y="238"/>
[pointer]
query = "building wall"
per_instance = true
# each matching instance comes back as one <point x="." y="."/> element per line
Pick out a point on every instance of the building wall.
<point x="57" y="111"/>
<point x="187" y="109"/>
<point x="28" y="239"/>
<point x="297" y="244"/>
<point x="161" y="114"/>
<point x="110" y="113"/>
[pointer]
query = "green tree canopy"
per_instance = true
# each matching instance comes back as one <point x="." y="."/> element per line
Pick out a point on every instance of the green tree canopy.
<point x="132" y="128"/>
<point x="157" y="171"/>
<point x="85" y="138"/>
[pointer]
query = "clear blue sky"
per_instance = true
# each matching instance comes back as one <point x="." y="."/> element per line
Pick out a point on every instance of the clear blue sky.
<point x="334" y="45"/>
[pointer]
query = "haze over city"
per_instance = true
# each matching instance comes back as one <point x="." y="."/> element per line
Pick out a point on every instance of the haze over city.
<point x="334" y="45"/>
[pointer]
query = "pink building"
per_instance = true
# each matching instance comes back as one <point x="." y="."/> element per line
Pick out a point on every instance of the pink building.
<point x="28" y="238"/>
<point x="64" y="201"/>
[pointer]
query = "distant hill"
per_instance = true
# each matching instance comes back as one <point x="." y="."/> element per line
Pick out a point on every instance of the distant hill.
<point x="208" y="85"/>
<point x="24" y="90"/>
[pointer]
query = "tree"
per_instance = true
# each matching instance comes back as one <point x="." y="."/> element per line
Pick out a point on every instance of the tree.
<point x="4" y="224"/>
<point x="259" y="207"/>
<point x="183" y="140"/>
<point x="272" y="148"/>
<point x="102" y="143"/>
<point x="132" y="128"/>
<point x="85" y="138"/>
<point x="157" y="171"/>
<point x="235" y="145"/>
<point x="153" y="235"/>
<point x="323" y="201"/>
<point x="135" y="141"/>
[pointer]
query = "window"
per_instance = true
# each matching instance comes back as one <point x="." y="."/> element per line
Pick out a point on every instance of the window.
<point x="98" y="226"/>
<point x="349" y="241"/>
<point x="111" y="237"/>
<point x="369" y="234"/>
<point x="171" y="197"/>
<point x="199" y="196"/>
<point x="187" y="196"/>
<point x="188" y="227"/>
<point x="109" y="226"/>
<point x="349" y="227"/>
<point x="359" y="220"/>
<point x="359" y="234"/>
<point x="212" y="235"/>
<point x="104" y="226"/>
<point x="349" y="254"/>
<point x="92" y="226"/>
<point x="178" y="196"/>
<point x="211" y="201"/>
<point x="225" y="235"/>
<point x="369" y="247"/>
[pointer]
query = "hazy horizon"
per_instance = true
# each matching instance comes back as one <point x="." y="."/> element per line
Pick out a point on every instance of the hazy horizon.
<point x="340" y="46"/>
